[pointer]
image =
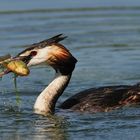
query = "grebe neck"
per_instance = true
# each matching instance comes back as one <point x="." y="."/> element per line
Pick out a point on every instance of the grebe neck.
<point x="45" y="102"/>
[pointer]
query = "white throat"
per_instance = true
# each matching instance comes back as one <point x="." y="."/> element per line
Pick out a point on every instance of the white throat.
<point x="45" y="102"/>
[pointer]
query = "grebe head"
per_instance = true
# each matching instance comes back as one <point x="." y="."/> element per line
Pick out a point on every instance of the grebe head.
<point x="51" y="52"/>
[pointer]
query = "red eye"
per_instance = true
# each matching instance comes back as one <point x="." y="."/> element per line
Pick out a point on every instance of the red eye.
<point x="33" y="53"/>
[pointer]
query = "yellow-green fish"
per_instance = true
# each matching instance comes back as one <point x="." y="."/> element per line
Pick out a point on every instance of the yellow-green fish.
<point x="18" y="67"/>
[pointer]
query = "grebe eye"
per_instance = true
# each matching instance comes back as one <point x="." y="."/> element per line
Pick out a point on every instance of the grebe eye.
<point x="33" y="53"/>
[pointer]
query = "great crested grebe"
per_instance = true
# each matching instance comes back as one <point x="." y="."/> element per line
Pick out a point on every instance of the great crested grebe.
<point x="91" y="100"/>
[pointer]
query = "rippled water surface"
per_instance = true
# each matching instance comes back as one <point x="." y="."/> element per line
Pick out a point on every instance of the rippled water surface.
<point x="104" y="37"/>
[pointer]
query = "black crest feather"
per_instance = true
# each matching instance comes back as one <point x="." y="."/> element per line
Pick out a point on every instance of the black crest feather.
<point x="46" y="42"/>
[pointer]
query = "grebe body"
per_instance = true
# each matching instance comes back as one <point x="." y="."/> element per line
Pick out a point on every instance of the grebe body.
<point x="63" y="62"/>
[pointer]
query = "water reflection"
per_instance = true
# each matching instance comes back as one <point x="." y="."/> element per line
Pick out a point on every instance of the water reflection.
<point x="33" y="126"/>
<point x="52" y="127"/>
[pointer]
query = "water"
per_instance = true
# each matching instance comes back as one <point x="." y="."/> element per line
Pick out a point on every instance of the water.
<point x="103" y="36"/>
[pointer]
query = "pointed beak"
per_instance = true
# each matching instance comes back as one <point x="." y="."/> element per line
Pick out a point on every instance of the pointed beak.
<point x="25" y="59"/>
